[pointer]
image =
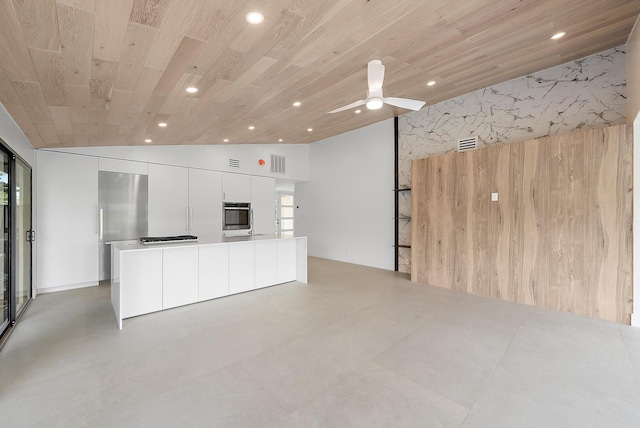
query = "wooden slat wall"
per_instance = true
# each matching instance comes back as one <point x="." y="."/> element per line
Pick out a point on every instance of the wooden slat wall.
<point x="559" y="236"/>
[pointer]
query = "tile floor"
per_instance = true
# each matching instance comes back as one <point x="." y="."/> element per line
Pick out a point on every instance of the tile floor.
<point x="356" y="347"/>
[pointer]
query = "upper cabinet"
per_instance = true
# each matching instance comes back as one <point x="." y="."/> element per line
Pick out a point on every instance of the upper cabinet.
<point x="205" y="203"/>
<point x="236" y="187"/>
<point x="168" y="200"/>
<point x="263" y="199"/>
<point x="67" y="225"/>
<point x="184" y="201"/>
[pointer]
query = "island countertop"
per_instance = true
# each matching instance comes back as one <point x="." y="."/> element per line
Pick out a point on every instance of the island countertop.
<point x="132" y="245"/>
<point x="147" y="278"/>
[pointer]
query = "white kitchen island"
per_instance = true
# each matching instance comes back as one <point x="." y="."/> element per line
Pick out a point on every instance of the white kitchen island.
<point x="151" y="278"/>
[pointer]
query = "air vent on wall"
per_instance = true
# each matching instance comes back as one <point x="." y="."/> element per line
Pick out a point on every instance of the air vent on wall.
<point x="469" y="143"/>
<point x="234" y="163"/>
<point x="277" y="164"/>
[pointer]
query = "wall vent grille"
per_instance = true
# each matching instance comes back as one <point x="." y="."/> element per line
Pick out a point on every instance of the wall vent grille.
<point x="234" y="163"/>
<point x="277" y="164"/>
<point x="469" y="143"/>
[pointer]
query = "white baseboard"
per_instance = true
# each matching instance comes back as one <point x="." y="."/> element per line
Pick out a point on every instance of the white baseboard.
<point x="66" y="287"/>
<point x="635" y="320"/>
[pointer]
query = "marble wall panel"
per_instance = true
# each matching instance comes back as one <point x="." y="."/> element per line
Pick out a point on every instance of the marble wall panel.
<point x="586" y="93"/>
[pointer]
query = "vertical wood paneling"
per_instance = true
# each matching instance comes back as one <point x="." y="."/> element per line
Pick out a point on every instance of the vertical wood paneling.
<point x="558" y="237"/>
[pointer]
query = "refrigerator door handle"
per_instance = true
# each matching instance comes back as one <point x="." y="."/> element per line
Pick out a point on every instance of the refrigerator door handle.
<point x="101" y="225"/>
<point x="186" y="218"/>
<point x="190" y="219"/>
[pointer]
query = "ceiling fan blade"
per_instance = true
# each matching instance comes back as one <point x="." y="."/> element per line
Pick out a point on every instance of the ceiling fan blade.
<point x="347" y="107"/>
<point x="405" y="103"/>
<point x="375" y="71"/>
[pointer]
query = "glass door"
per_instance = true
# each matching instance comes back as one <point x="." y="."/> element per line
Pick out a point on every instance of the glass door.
<point x="4" y="240"/>
<point x="23" y="236"/>
<point x="284" y="213"/>
<point x="16" y="235"/>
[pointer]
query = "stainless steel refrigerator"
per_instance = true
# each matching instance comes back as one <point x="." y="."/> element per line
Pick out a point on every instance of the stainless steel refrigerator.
<point x="122" y="212"/>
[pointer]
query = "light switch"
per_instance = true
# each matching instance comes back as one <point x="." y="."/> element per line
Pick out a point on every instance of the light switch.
<point x="494" y="196"/>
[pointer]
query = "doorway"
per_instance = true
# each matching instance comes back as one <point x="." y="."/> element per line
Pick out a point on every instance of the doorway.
<point x="284" y="214"/>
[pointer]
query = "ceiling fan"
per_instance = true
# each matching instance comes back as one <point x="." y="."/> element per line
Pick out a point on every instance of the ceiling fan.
<point x="375" y="100"/>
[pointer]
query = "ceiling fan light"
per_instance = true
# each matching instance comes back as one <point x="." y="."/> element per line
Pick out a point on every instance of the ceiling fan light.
<point x="374" y="104"/>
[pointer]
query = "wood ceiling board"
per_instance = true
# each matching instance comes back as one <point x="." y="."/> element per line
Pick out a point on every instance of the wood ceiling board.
<point x="111" y="23"/>
<point x="76" y="35"/>
<point x="61" y="119"/>
<point x="48" y="133"/>
<point x="80" y="115"/>
<point x="137" y="42"/>
<point x="66" y="140"/>
<point x="148" y="12"/>
<point x="118" y="106"/>
<point x="144" y="88"/>
<point x="103" y="75"/>
<point x="13" y="49"/>
<point x="187" y="51"/>
<point x="49" y="67"/>
<point x="80" y="133"/>
<point x="179" y="94"/>
<point x="32" y="98"/>
<point x="77" y="96"/>
<point x="88" y="5"/>
<point x="36" y="140"/>
<point x="39" y="23"/>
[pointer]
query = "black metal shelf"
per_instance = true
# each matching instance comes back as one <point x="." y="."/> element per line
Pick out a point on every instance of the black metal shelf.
<point x="402" y="218"/>
<point x="408" y="189"/>
<point x="402" y="246"/>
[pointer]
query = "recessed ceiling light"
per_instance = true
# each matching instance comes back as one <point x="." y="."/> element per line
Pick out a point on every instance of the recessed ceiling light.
<point x="280" y="140"/>
<point x="226" y="140"/>
<point x="254" y="17"/>
<point x="251" y="127"/>
<point x="431" y="83"/>
<point x="358" y="111"/>
<point x="148" y="140"/>
<point x="558" y="35"/>
<point x="192" y="89"/>
<point x="162" y="124"/>
<point x="297" y="104"/>
<point x="309" y="129"/>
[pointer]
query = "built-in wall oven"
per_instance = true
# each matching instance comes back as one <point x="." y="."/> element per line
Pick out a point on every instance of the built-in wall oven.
<point x="236" y="216"/>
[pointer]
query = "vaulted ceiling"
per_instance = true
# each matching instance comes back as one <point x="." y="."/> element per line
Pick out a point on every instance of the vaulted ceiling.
<point x="106" y="72"/>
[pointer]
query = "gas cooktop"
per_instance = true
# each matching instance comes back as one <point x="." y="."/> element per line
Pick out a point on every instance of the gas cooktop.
<point x="148" y="240"/>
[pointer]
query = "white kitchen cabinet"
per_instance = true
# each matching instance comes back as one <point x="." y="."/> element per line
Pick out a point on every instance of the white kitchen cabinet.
<point x="241" y="267"/>
<point x="67" y="228"/>
<point x="213" y="266"/>
<point x="263" y="199"/>
<point x="140" y="282"/>
<point x="179" y="276"/>
<point x="205" y="203"/>
<point x="266" y="261"/>
<point x="168" y="200"/>
<point x="286" y="260"/>
<point x="236" y="187"/>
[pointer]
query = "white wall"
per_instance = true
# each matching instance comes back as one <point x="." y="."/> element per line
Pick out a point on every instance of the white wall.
<point x="346" y="208"/>
<point x="215" y="157"/>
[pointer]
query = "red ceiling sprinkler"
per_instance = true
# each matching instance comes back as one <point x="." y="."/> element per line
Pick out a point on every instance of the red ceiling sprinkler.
<point x="261" y="162"/>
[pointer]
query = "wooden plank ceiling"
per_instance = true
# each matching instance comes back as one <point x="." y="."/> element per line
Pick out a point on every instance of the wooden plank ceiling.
<point x="106" y="72"/>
